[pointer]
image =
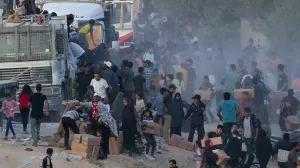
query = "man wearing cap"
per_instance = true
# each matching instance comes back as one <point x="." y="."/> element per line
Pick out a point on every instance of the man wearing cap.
<point x="196" y="111"/>
<point x="166" y="102"/>
<point x="107" y="72"/>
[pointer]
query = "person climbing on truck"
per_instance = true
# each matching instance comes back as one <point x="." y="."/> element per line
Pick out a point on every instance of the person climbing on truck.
<point x="88" y="28"/>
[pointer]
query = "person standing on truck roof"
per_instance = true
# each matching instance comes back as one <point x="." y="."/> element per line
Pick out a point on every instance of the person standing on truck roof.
<point x="88" y="28"/>
<point x="37" y="101"/>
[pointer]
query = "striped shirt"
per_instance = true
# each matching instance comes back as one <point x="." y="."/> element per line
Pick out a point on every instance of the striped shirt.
<point x="74" y="115"/>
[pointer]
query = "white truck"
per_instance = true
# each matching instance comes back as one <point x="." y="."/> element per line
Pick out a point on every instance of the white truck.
<point x="33" y="53"/>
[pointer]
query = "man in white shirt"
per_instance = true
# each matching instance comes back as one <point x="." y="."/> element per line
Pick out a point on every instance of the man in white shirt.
<point x="149" y="56"/>
<point x="100" y="85"/>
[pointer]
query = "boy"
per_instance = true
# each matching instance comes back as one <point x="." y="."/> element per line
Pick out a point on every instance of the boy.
<point x="158" y="106"/>
<point x="172" y="164"/>
<point x="47" y="160"/>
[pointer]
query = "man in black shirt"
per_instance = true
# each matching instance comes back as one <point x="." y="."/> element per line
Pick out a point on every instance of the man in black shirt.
<point x="166" y="102"/>
<point x="282" y="147"/>
<point x="47" y="160"/>
<point x="83" y="80"/>
<point x="37" y="101"/>
<point x="196" y="111"/>
<point x="293" y="100"/>
<point x="282" y="79"/>
<point x="139" y="82"/>
<point x="218" y="132"/>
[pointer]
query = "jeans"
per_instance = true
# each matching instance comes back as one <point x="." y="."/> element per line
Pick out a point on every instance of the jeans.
<point x="200" y="130"/>
<point x="67" y="123"/>
<point x="227" y="131"/>
<point x="25" y="114"/>
<point x="167" y="125"/>
<point x="35" y="128"/>
<point x="9" y="126"/>
<point x="150" y="142"/>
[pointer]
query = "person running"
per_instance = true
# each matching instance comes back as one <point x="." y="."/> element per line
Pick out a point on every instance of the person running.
<point x="69" y="122"/>
<point x="37" y="102"/>
<point x="9" y="106"/>
<point x="24" y="97"/>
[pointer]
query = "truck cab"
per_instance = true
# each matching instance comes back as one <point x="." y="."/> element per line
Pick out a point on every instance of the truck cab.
<point x="83" y="12"/>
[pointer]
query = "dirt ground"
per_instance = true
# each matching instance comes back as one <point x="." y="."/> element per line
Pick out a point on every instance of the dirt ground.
<point x="14" y="155"/>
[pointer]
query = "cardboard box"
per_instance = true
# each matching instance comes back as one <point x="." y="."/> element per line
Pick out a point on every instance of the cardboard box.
<point x="222" y="157"/>
<point x="120" y="137"/>
<point x="81" y="147"/>
<point x="149" y="130"/>
<point x="57" y="137"/>
<point x="205" y="94"/>
<point x="78" y="137"/>
<point x="82" y="154"/>
<point x="215" y="141"/>
<point x="86" y="127"/>
<point x="113" y="146"/>
<point x="95" y="152"/>
<point x="238" y="93"/>
<point x="293" y="119"/>
<point x="91" y="140"/>
<point x="189" y="146"/>
<point x="52" y="143"/>
<point x="175" y="140"/>
<point x="158" y="130"/>
<point x="151" y="124"/>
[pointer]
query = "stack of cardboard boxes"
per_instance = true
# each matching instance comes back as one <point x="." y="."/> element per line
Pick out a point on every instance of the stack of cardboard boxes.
<point x="87" y="146"/>
<point x="179" y="142"/>
<point x="58" y="140"/>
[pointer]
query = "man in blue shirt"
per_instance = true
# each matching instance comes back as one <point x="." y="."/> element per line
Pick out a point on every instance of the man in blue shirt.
<point x="228" y="110"/>
<point x="158" y="106"/>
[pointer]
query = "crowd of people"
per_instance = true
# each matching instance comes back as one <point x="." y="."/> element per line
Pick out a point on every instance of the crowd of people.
<point x="155" y="83"/>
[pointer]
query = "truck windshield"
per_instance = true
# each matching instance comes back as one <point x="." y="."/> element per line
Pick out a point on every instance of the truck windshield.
<point x="24" y="44"/>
